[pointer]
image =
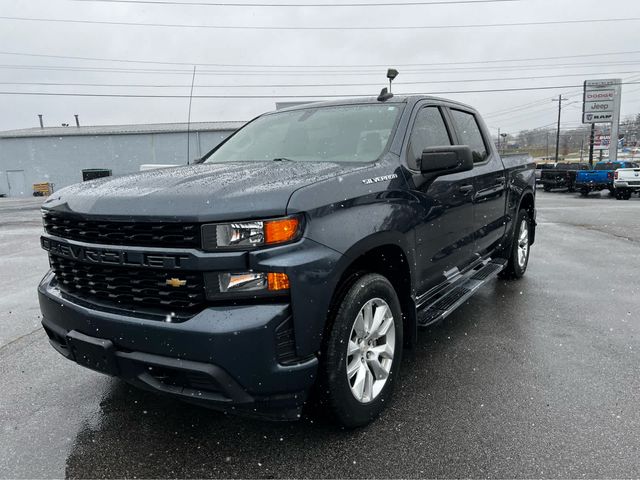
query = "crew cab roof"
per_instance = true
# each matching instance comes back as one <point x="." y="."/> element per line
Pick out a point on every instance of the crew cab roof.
<point x="396" y="99"/>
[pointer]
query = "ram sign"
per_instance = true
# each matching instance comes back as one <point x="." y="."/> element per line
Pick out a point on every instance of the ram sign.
<point x="597" y="117"/>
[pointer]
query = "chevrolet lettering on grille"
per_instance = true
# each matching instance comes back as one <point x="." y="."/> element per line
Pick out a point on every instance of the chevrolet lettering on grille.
<point x="111" y="257"/>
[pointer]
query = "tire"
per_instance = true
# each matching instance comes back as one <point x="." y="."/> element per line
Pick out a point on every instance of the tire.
<point x="519" y="254"/>
<point x="546" y="188"/>
<point x="584" y="192"/>
<point x="348" y="363"/>
<point x="619" y="194"/>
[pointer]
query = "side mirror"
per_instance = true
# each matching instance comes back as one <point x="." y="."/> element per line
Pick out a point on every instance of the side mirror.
<point x="446" y="160"/>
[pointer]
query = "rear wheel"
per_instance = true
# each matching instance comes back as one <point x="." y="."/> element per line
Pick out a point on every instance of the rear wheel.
<point x="547" y="188"/>
<point x="584" y="192"/>
<point x="363" y="352"/>
<point x="520" y="248"/>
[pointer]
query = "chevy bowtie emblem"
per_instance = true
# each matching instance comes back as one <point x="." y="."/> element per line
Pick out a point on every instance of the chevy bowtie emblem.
<point x="175" y="282"/>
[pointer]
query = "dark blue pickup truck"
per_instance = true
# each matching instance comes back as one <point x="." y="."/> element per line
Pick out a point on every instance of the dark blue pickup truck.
<point x="298" y="258"/>
<point x="600" y="178"/>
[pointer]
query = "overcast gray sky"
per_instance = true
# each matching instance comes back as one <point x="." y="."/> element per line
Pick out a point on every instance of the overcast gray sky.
<point x="346" y="50"/>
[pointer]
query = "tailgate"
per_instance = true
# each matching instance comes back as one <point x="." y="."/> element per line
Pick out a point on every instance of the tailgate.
<point x="602" y="176"/>
<point x="629" y="174"/>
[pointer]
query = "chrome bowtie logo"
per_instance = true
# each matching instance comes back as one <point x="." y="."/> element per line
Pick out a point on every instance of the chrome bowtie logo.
<point x="175" y="282"/>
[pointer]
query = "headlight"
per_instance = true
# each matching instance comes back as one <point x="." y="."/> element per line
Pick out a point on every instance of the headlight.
<point x="237" y="235"/>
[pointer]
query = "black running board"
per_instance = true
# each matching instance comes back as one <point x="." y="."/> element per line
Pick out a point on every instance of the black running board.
<point x="439" y="308"/>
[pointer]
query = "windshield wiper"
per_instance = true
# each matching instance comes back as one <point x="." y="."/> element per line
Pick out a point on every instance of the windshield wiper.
<point x="283" y="159"/>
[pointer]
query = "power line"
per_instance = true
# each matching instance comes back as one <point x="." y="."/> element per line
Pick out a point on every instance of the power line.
<point x="74" y="68"/>
<point x="320" y="28"/>
<point x="308" y="85"/>
<point x="298" y="5"/>
<point x="236" y="65"/>
<point x="545" y="101"/>
<point x="122" y="95"/>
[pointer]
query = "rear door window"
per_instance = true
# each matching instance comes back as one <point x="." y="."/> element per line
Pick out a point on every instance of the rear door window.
<point x="469" y="133"/>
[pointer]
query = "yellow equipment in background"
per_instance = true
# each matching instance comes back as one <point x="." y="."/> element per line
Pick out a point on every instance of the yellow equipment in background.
<point x="43" y="189"/>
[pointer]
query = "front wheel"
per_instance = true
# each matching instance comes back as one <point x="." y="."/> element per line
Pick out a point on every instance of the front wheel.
<point x="520" y="248"/>
<point x="363" y="351"/>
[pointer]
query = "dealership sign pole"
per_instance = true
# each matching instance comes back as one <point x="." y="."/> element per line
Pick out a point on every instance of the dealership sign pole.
<point x="601" y="104"/>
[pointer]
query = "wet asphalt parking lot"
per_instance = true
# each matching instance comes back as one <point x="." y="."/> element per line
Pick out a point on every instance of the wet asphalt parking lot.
<point x="533" y="378"/>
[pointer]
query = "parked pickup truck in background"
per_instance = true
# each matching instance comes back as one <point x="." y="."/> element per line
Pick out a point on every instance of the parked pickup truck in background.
<point x="626" y="181"/>
<point x="562" y="176"/>
<point x="300" y="255"/>
<point x="600" y="178"/>
<point x="540" y="167"/>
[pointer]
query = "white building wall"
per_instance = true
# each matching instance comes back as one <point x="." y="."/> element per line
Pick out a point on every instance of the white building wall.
<point x="60" y="160"/>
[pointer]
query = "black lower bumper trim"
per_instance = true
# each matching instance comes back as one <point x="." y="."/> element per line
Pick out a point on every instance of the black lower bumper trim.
<point x="195" y="382"/>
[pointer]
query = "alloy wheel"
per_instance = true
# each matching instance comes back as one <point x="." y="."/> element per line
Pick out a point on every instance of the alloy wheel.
<point x="370" y="350"/>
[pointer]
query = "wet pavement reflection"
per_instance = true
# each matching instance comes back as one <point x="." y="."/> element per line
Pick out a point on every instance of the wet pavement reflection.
<point x="531" y="378"/>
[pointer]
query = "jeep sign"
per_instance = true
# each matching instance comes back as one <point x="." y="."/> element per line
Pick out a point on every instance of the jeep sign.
<point x="599" y="107"/>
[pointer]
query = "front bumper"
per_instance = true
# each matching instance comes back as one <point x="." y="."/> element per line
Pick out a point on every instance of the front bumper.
<point x="223" y="357"/>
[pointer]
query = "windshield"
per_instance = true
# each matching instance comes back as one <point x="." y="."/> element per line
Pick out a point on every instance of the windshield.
<point x="352" y="133"/>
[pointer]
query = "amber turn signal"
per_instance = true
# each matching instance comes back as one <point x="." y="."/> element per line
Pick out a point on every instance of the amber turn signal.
<point x="278" y="281"/>
<point x="281" y="230"/>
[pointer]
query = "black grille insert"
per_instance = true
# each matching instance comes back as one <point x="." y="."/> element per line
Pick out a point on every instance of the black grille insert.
<point x="144" y="234"/>
<point x="129" y="288"/>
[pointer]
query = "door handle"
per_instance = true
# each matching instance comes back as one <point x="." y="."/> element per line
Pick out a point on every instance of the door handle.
<point x="466" y="189"/>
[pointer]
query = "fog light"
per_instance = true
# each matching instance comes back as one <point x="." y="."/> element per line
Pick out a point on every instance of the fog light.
<point x="242" y="282"/>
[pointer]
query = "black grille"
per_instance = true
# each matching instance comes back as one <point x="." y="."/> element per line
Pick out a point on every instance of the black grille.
<point x="130" y="287"/>
<point x="145" y="234"/>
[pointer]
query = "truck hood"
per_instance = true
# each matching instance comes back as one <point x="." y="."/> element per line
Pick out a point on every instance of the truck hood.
<point x="223" y="191"/>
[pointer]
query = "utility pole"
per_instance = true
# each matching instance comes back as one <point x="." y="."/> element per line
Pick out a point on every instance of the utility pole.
<point x="559" y="100"/>
<point x="498" y="139"/>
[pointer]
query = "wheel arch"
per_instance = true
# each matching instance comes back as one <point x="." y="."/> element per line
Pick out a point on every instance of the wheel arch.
<point x="387" y="254"/>
<point x="527" y="202"/>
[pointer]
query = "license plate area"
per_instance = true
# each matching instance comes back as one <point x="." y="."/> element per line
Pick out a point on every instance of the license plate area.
<point x="94" y="353"/>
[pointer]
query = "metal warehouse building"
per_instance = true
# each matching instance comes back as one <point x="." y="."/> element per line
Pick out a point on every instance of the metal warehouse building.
<point x="59" y="154"/>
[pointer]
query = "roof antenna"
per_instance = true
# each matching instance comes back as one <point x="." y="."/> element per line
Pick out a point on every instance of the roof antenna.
<point x="193" y="78"/>
<point x="385" y="94"/>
